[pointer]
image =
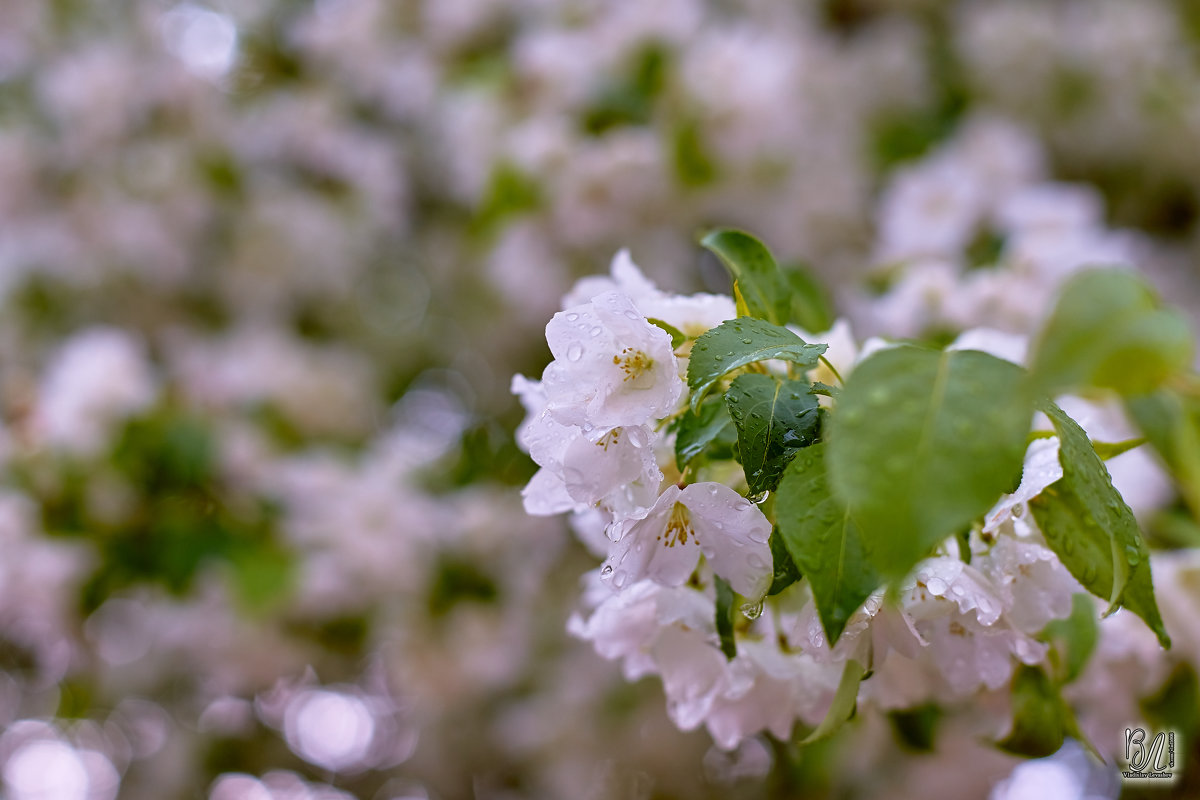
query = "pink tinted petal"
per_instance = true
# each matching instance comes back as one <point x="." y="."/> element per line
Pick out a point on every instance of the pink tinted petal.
<point x="733" y="536"/>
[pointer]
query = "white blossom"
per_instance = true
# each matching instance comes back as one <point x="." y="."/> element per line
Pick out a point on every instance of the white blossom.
<point x="612" y="368"/>
<point x="708" y="518"/>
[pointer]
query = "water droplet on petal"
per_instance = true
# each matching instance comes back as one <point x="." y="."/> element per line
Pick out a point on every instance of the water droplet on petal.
<point x="620" y="579"/>
<point x="633" y="315"/>
<point x="572" y="317"/>
<point x="595" y="331"/>
<point x="936" y="586"/>
<point x="759" y="498"/>
<point x="753" y="610"/>
<point x="575" y="351"/>
<point x="607" y="570"/>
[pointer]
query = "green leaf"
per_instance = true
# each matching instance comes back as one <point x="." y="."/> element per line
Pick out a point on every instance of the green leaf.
<point x="1073" y="638"/>
<point x="774" y="418"/>
<point x="1109" y="331"/>
<point x="842" y="708"/>
<point x="1092" y="530"/>
<point x="923" y="443"/>
<point x="725" y="617"/>
<point x="678" y="337"/>
<point x="1040" y="717"/>
<point x="785" y="571"/>
<point x="1107" y="450"/>
<point x="1172" y="426"/>
<point x="738" y="342"/>
<point x="810" y="306"/>
<point x="761" y="283"/>
<point x="824" y="389"/>
<point x="824" y="542"/>
<point x="696" y="430"/>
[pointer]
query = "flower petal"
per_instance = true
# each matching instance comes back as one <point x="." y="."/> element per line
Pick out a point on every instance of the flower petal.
<point x="733" y="536"/>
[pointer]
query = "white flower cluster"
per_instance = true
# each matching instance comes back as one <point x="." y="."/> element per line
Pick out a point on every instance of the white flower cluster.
<point x="595" y="427"/>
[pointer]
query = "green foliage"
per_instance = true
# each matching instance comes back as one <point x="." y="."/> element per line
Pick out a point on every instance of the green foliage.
<point x="922" y="444"/>
<point x="694" y="165"/>
<point x="510" y="192"/>
<point x="1092" y="530"/>
<point x="757" y="278"/>
<point x="678" y="337"/>
<point x="1108" y="450"/>
<point x="843" y="706"/>
<point x="1109" y="331"/>
<point x="725" y="617"/>
<point x="459" y="580"/>
<point x="774" y="418"/>
<point x="810" y="305"/>
<point x="784" y="570"/>
<point x="1171" y="424"/>
<point x="824" y="542"/>
<point x="1073" y="639"/>
<point x="916" y="728"/>
<point x="696" y="430"/>
<point x="176" y="516"/>
<point x="629" y="99"/>
<point x="739" y="342"/>
<point x="1041" y="719"/>
<point x="1176" y="705"/>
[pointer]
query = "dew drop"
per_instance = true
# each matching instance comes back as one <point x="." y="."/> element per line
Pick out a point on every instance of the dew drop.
<point x="607" y="570"/>
<point x="747" y="341"/>
<point x="936" y="586"/>
<point x="759" y="497"/>
<point x="1132" y="556"/>
<point x="719" y="358"/>
<point x="575" y="351"/>
<point x="620" y="579"/>
<point x="633" y="315"/>
<point x="733" y="398"/>
<point x="753" y="610"/>
<point x="572" y="317"/>
<point x="596" y="331"/>
<point x="1089" y="574"/>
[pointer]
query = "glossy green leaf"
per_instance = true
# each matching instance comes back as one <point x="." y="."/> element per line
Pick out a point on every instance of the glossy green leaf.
<point x="922" y="443"/>
<point x="696" y="430"/>
<point x="1109" y="331"/>
<point x="844" y="702"/>
<point x="785" y="571"/>
<point x="1074" y="638"/>
<point x="738" y="342"/>
<point x="774" y="418"/>
<point x="760" y="282"/>
<point x="824" y="542"/>
<point x="1089" y="526"/>
<point x="725" y="617"/>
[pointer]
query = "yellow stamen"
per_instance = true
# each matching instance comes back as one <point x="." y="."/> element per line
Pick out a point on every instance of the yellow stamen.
<point x="634" y="363"/>
<point x="679" y="527"/>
